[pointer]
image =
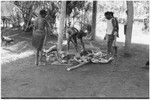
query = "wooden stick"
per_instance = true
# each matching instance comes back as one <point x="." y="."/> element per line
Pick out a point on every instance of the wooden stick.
<point x="63" y="64"/>
<point x="81" y="64"/>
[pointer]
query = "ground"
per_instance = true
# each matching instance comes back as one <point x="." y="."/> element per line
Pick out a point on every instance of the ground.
<point x="123" y="77"/>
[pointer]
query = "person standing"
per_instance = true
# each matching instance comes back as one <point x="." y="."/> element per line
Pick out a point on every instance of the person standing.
<point x="111" y="34"/>
<point x="39" y="34"/>
<point x="116" y="33"/>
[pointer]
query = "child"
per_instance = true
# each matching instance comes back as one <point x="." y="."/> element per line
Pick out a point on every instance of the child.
<point x="39" y="34"/>
<point x="111" y="33"/>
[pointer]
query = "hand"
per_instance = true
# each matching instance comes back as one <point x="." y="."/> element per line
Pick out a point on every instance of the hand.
<point x="115" y="33"/>
<point x="105" y="37"/>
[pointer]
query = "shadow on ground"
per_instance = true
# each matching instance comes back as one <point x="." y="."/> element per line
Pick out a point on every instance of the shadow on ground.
<point x="123" y="78"/>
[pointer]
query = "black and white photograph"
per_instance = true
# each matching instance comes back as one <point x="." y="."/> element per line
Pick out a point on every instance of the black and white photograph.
<point x="75" y="49"/>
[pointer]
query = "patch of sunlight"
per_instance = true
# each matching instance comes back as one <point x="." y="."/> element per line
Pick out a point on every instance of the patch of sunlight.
<point x="138" y="36"/>
<point x="64" y="42"/>
<point x="13" y="56"/>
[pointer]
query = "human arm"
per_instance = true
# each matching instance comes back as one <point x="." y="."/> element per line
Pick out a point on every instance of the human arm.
<point x="46" y="27"/>
<point x="105" y="37"/>
<point x="114" y="23"/>
<point x="105" y="34"/>
<point x="125" y="27"/>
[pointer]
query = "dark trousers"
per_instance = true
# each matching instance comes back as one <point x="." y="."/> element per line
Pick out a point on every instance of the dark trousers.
<point x="109" y="43"/>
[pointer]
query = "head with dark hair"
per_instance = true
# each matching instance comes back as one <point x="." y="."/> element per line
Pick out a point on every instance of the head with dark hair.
<point x="107" y="15"/>
<point x="112" y="14"/>
<point x="43" y="13"/>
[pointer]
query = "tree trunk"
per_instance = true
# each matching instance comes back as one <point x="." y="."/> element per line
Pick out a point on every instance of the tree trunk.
<point x="61" y="26"/>
<point x="128" y="35"/>
<point x="94" y="20"/>
<point x="29" y="17"/>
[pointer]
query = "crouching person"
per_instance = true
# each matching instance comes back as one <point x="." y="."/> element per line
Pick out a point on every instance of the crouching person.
<point x="111" y="34"/>
<point x="39" y="34"/>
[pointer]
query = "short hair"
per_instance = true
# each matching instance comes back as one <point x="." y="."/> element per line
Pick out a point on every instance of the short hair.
<point x="107" y="13"/>
<point x="43" y="12"/>
<point x="111" y="13"/>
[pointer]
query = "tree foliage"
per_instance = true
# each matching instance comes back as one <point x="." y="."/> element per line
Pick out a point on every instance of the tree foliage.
<point x="30" y="9"/>
<point x="81" y="11"/>
<point x="70" y="5"/>
<point x="119" y="7"/>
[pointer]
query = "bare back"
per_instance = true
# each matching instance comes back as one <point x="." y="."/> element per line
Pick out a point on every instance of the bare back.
<point x="40" y="24"/>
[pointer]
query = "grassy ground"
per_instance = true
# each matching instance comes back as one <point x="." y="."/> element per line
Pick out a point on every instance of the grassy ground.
<point x="123" y="78"/>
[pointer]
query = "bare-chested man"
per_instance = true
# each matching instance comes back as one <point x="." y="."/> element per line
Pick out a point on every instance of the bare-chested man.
<point x="39" y="33"/>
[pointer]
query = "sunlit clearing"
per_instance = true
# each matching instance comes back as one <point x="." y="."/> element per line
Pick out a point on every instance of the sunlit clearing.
<point x="138" y="36"/>
<point x="13" y="56"/>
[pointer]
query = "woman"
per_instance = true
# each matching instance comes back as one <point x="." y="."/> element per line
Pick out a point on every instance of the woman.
<point x="39" y="34"/>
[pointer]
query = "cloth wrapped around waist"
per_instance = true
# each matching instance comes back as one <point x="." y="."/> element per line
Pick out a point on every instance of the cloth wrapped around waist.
<point x="38" y="32"/>
<point x="38" y="39"/>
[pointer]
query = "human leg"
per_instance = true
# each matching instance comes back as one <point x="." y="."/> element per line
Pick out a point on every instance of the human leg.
<point x="37" y="57"/>
<point x="114" y="46"/>
<point x="82" y="43"/>
<point x="75" y="42"/>
<point x="109" y="44"/>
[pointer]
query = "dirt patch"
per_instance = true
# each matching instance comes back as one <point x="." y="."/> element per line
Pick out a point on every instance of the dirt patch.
<point x="124" y="77"/>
